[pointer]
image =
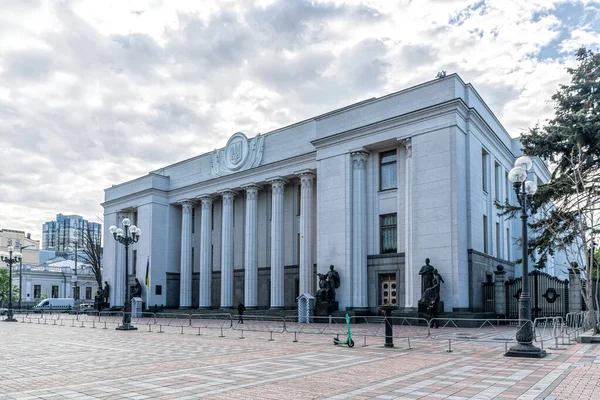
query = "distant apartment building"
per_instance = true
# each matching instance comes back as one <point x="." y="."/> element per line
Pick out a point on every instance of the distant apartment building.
<point x="59" y="235"/>
<point x="21" y="242"/>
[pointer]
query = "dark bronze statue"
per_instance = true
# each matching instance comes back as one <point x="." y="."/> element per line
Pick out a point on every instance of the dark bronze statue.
<point x="137" y="289"/>
<point x="426" y="273"/>
<point x="431" y="297"/>
<point x="327" y="284"/>
<point x="106" y="291"/>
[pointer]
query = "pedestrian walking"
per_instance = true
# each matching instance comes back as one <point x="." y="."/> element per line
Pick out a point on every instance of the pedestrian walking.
<point x="241" y="308"/>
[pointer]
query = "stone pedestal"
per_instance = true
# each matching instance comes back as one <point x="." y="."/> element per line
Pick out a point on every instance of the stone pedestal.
<point x="325" y="309"/>
<point x="389" y="329"/>
<point x="500" y="291"/>
<point x="136" y="307"/>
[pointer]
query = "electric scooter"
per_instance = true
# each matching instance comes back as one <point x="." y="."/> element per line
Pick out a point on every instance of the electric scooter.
<point x="349" y="342"/>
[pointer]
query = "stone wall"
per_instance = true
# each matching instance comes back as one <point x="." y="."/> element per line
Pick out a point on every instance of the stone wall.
<point x="480" y="266"/>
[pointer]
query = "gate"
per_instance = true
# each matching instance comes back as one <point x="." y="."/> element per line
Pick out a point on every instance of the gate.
<point x="549" y="296"/>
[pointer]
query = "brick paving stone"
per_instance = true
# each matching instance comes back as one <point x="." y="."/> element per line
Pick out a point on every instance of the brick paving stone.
<point x="64" y="362"/>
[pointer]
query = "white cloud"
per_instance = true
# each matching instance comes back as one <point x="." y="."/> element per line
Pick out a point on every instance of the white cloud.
<point x="96" y="93"/>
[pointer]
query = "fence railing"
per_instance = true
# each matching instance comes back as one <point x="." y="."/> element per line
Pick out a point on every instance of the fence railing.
<point x="549" y="331"/>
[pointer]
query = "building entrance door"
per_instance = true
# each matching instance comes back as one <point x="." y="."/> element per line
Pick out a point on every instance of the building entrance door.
<point x="388" y="292"/>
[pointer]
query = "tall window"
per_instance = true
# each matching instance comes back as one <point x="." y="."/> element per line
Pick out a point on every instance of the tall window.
<point x="388" y="233"/>
<point x="498" y="240"/>
<point x="37" y="291"/>
<point x="387" y="170"/>
<point x="485" y="234"/>
<point x="88" y="293"/>
<point x="497" y="180"/>
<point x="507" y="244"/>
<point x="484" y="169"/>
<point x="55" y="292"/>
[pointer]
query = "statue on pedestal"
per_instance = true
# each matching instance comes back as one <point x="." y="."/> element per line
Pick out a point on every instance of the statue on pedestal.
<point x="106" y="291"/>
<point x="137" y="289"/>
<point x="327" y="284"/>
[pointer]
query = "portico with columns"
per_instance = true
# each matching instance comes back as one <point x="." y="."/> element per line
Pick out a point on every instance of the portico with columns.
<point x="373" y="189"/>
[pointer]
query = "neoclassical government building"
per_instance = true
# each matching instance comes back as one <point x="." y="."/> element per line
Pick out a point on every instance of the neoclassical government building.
<point x="373" y="188"/>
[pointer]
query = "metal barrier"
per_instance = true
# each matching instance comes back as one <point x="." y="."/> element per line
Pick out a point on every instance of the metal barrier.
<point x="146" y="318"/>
<point x="319" y="326"/>
<point x="547" y="329"/>
<point x="211" y="321"/>
<point x="402" y="328"/>
<point x="106" y="318"/>
<point x="177" y="320"/>
<point x="260" y="323"/>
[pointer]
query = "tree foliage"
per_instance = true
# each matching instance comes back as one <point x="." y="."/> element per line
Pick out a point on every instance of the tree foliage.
<point x="93" y="255"/>
<point x="567" y="207"/>
<point x="5" y="286"/>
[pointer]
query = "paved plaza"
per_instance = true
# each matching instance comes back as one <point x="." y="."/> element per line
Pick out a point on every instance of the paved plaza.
<point x="65" y="362"/>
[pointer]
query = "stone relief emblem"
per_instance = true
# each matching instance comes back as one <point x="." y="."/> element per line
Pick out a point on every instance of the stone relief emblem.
<point x="239" y="154"/>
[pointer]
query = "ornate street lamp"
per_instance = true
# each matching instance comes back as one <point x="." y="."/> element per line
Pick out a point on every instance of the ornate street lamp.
<point x="127" y="236"/>
<point x="10" y="258"/>
<point x="525" y="191"/>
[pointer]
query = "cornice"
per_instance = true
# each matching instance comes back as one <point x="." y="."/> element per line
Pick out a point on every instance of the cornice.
<point x="411" y="117"/>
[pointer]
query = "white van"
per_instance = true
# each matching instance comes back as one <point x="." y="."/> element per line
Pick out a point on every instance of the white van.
<point x="55" y="304"/>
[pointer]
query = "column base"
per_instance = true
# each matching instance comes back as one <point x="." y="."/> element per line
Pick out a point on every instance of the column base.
<point x="277" y="308"/>
<point x="185" y="307"/>
<point x="10" y="320"/>
<point x="525" y="350"/>
<point x="205" y="308"/>
<point x="126" y="327"/>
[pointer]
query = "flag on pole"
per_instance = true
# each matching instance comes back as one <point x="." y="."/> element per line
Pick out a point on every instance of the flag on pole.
<point x="148" y="273"/>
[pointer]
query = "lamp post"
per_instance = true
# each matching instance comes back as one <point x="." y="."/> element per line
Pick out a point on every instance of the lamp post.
<point x="123" y="236"/>
<point x="74" y="276"/>
<point x="10" y="258"/>
<point x="21" y="272"/>
<point x="525" y="191"/>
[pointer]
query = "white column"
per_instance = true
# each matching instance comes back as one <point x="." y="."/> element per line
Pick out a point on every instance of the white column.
<point x="251" y="247"/>
<point x="118" y="288"/>
<point x="227" y="249"/>
<point x="359" y="229"/>
<point x="409" y="268"/>
<point x="206" y="252"/>
<point x="185" y="272"/>
<point x="306" y="231"/>
<point x="277" y="273"/>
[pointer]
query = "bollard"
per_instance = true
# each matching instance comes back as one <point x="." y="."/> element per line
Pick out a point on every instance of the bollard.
<point x="199" y="334"/>
<point x="160" y="329"/>
<point x="270" y="340"/>
<point x="104" y="325"/>
<point x="365" y="341"/>
<point x="295" y="339"/>
<point x="182" y="329"/>
<point x="82" y="325"/>
<point x="242" y="337"/>
<point x="149" y="328"/>
<point x="72" y="323"/>
<point x="449" y="346"/>
<point x="222" y="332"/>
<point x="93" y="323"/>
<point x="54" y="322"/>
<point x="409" y="348"/>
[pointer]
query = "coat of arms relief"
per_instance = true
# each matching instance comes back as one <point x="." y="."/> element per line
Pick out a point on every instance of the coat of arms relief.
<point x="238" y="155"/>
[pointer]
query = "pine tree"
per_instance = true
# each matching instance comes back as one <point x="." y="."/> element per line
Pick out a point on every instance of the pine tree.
<point x="567" y="207"/>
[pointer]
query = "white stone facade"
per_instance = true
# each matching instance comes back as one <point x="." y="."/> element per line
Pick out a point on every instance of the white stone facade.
<point x="249" y="222"/>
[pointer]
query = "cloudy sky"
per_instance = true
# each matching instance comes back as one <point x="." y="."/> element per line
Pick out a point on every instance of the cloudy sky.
<point x="94" y="93"/>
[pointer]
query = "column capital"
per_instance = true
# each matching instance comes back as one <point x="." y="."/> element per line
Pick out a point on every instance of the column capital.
<point x="359" y="159"/>
<point x="407" y="143"/>
<point x="251" y="187"/>
<point x="277" y="180"/>
<point x="227" y="193"/>
<point x="186" y="203"/>
<point x="206" y="199"/>
<point x="305" y="172"/>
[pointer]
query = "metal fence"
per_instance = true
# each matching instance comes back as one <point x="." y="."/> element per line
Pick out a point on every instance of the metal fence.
<point x="550" y="332"/>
